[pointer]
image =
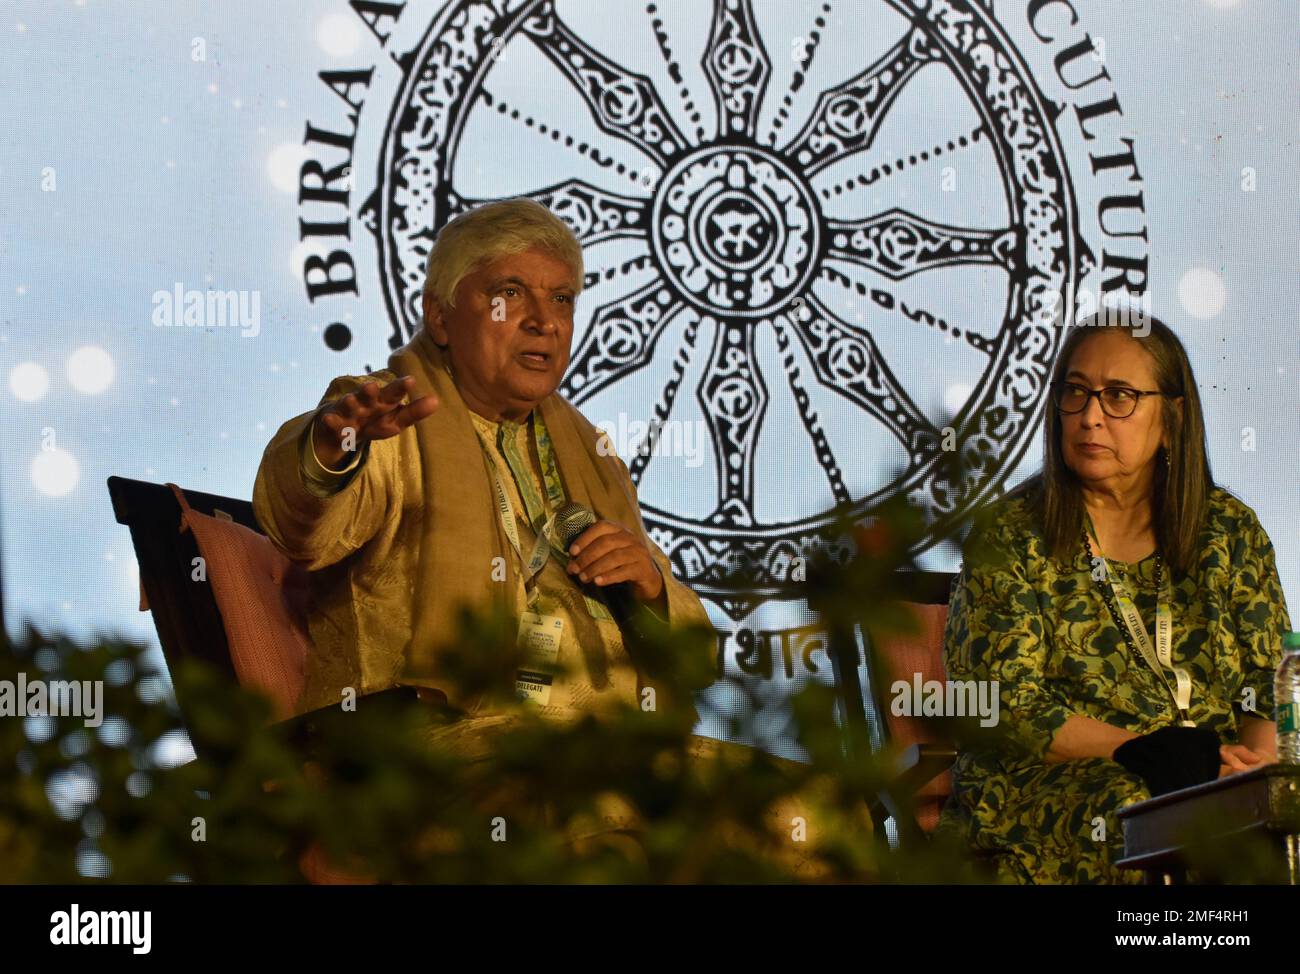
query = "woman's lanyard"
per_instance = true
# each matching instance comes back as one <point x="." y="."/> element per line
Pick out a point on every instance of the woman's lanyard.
<point x="1161" y="657"/>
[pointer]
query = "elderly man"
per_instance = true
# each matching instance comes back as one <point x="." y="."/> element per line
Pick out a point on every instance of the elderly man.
<point x="434" y="484"/>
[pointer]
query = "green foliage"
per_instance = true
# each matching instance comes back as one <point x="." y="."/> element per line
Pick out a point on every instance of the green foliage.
<point x="422" y="793"/>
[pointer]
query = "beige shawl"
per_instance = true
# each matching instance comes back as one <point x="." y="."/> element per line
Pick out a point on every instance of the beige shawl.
<point x="460" y="522"/>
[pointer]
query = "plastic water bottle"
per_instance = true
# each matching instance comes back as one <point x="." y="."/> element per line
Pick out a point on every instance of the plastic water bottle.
<point x="1286" y="691"/>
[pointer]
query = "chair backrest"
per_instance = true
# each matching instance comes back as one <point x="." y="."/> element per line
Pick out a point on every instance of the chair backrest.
<point x="913" y="658"/>
<point x="241" y="609"/>
<point x="184" y="611"/>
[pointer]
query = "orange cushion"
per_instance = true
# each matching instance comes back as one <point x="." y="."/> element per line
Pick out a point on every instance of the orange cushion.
<point x="318" y="869"/>
<point x="263" y="598"/>
<point x="928" y="812"/>
<point x="899" y="656"/>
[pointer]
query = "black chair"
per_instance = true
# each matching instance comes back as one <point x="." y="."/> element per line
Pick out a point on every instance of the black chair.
<point x="185" y="611"/>
<point x="921" y="756"/>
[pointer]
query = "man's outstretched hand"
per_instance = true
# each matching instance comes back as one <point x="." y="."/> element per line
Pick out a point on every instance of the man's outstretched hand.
<point x="371" y="413"/>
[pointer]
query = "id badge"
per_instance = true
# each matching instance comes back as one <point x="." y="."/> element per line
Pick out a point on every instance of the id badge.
<point x="533" y="687"/>
<point x="539" y="640"/>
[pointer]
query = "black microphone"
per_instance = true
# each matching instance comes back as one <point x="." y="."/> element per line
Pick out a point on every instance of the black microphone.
<point x="571" y="521"/>
<point x="643" y="632"/>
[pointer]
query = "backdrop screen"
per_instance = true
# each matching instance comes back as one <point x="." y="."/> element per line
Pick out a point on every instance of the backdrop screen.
<point x="817" y="236"/>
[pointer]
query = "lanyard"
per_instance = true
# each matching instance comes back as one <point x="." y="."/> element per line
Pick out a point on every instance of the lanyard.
<point x="534" y="504"/>
<point x="540" y="518"/>
<point x="1161" y="658"/>
<point x="542" y="524"/>
<point x="536" y="559"/>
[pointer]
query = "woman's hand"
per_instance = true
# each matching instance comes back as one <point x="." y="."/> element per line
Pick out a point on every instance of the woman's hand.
<point x="1236" y="758"/>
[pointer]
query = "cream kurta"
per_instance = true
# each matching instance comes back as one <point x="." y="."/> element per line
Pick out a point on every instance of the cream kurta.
<point x="359" y="535"/>
<point x="598" y="671"/>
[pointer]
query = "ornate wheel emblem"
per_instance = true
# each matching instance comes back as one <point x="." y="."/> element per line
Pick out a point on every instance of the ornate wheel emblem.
<point x="735" y="231"/>
<point x="739" y="240"/>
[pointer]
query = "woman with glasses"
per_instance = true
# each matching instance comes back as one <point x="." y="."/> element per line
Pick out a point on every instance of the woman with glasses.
<point x="1129" y="610"/>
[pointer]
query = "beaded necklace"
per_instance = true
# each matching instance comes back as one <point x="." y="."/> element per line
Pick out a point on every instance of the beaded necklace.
<point x="1108" y="593"/>
<point x="1131" y="627"/>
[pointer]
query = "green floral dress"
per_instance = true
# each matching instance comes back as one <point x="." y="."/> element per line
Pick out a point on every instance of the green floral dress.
<point x="1041" y="629"/>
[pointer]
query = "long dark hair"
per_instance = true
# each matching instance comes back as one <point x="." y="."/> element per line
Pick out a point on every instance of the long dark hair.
<point x="1181" y="490"/>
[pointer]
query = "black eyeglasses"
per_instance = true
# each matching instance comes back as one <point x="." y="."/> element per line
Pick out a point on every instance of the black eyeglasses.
<point x="1117" y="402"/>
